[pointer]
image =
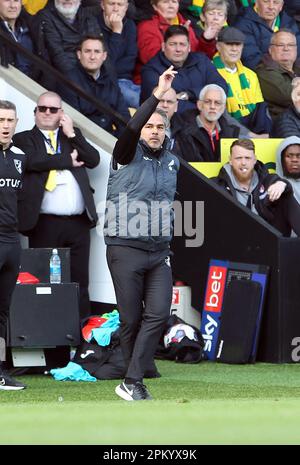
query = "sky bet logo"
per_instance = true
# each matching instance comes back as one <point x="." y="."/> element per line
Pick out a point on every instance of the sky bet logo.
<point x="212" y="307"/>
<point x="215" y="289"/>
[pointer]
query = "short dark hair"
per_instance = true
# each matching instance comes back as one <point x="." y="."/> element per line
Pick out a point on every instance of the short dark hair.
<point x="286" y="149"/>
<point x="176" y="30"/>
<point x="7" y="105"/>
<point x="86" y="37"/>
<point x="164" y="116"/>
<point x="247" y="144"/>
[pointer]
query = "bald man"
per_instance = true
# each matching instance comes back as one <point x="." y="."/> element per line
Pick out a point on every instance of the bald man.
<point x="57" y="208"/>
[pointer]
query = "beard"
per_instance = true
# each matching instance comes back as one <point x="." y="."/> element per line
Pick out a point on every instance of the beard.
<point x="287" y="174"/>
<point x="291" y="175"/>
<point x="212" y="118"/>
<point x="67" y="12"/>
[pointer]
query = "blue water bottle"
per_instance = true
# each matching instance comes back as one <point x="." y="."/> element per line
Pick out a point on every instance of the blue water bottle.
<point x="55" y="268"/>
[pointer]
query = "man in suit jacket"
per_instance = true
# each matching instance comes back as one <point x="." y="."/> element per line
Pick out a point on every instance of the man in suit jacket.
<point x="56" y="205"/>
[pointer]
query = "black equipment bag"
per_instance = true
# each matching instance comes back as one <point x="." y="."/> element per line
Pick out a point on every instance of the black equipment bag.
<point x="240" y="322"/>
<point x="180" y="342"/>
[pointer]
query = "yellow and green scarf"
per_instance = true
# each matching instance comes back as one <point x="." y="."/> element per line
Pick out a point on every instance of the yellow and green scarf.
<point x="276" y="24"/>
<point x="232" y="104"/>
<point x="196" y="7"/>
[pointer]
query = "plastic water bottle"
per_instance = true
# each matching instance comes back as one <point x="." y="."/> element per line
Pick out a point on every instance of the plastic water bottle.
<point x="55" y="268"/>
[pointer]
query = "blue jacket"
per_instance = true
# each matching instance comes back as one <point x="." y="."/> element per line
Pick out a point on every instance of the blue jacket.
<point x="292" y="7"/>
<point x="196" y="72"/>
<point x="122" y="48"/>
<point x="258" y="34"/>
<point x="23" y="35"/>
<point x="105" y="89"/>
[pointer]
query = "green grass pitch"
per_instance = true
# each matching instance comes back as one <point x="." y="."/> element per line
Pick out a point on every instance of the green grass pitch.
<point x="206" y="403"/>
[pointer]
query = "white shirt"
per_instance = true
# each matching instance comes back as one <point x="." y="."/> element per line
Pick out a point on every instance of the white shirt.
<point x="66" y="198"/>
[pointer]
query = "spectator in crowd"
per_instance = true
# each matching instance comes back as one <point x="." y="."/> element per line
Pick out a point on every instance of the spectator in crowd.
<point x="213" y="18"/>
<point x="143" y="175"/>
<point x="194" y="70"/>
<point x="61" y="27"/>
<point x="56" y="208"/>
<point x="151" y="32"/>
<point x="193" y="9"/>
<point x="244" y="101"/>
<point x="258" y="24"/>
<point x="12" y="167"/>
<point x="139" y="10"/>
<point x="120" y="38"/>
<point x="266" y="195"/>
<point x="288" y="163"/>
<point x="288" y="122"/>
<point x="277" y="70"/>
<point x="16" y="24"/>
<point x="169" y="104"/>
<point x="92" y="76"/>
<point x="199" y="139"/>
<point x="292" y="7"/>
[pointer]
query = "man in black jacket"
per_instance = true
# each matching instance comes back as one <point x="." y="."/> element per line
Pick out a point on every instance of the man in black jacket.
<point x="12" y="166"/>
<point x="120" y="37"/>
<point x="60" y="27"/>
<point x="266" y="195"/>
<point x="92" y="76"/>
<point x="200" y="139"/>
<point x="56" y="206"/>
<point x="138" y="230"/>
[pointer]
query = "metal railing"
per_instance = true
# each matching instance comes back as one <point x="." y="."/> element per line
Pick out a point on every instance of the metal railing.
<point x="6" y="43"/>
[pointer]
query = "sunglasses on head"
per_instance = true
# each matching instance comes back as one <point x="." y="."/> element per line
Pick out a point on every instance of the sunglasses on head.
<point x="43" y="109"/>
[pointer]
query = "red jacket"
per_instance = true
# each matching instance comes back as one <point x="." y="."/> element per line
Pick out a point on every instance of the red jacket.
<point x="207" y="46"/>
<point x="150" y="35"/>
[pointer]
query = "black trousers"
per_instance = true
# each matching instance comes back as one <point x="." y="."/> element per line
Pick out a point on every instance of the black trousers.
<point x="143" y="287"/>
<point x="73" y="232"/>
<point x="9" y="270"/>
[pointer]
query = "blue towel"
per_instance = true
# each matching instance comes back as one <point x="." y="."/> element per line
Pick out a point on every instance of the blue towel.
<point x="71" y="372"/>
<point x="102" y="335"/>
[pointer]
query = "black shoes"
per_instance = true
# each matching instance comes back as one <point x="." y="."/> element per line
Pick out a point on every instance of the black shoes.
<point x="137" y="391"/>
<point x="9" y="384"/>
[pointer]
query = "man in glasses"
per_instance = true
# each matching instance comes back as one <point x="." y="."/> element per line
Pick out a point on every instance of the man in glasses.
<point x="277" y="70"/>
<point x="169" y="104"/>
<point x="57" y="208"/>
<point x="12" y="165"/>
<point x="199" y="140"/>
<point x="258" y="22"/>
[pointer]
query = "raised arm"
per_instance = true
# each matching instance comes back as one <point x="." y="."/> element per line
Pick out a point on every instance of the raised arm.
<point x="125" y="147"/>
